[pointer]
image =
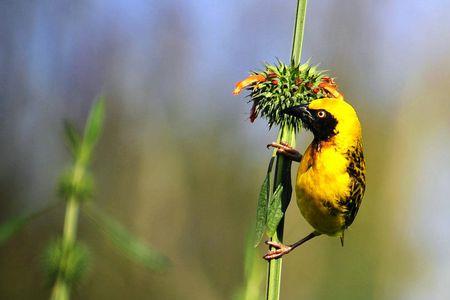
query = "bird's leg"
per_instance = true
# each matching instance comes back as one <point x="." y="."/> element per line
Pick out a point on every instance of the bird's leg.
<point x="286" y="150"/>
<point x="281" y="249"/>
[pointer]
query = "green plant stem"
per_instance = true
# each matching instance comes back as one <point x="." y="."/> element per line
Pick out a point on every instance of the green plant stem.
<point x="299" y="28"/>
<point x="283" y="165"/>
<point x="70" y="222"/>
<point x="61" y="290"/>
<point x="72" y="208"/>
<point x="283" y="177"/>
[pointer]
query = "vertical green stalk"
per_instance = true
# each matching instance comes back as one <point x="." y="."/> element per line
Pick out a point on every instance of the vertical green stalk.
<point x="61" y="290"/>
<point x="299" y="28"/>
<point x="282" y="177"/>
<point x="283" y="166"/>
<point x="72" y="208"/>
<point x="77" y="187"/>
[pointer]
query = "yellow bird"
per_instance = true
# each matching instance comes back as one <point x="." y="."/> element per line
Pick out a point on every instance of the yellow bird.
<point x="331" y="177"/>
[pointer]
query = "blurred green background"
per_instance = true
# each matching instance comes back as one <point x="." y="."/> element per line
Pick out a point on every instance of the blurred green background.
<point x="180" y="164"/>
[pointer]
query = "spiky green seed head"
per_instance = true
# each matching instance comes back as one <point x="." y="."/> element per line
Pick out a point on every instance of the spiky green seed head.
<point x="281" y="86"/>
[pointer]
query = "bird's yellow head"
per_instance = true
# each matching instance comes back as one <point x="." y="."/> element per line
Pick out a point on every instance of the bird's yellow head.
<point x="327" y="118"/>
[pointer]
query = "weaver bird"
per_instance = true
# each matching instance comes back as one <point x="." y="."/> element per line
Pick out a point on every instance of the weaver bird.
<point x="331" y="176"/>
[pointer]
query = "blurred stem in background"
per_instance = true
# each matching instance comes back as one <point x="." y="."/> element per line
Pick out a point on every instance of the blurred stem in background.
<point x="76" y="189"/>
<point x="254" y="272"/>
<point x="65" y="259"/>
<point x="283" y="165"/>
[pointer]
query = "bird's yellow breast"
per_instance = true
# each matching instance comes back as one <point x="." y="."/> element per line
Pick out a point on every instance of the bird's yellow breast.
<point x="322" y="181"/>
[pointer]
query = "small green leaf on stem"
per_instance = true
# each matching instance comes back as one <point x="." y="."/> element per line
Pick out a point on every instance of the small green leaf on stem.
<point x="263" y="205"/>
<point x="15" y="224"/>
<point x="128" y="244"/>
<point x="275" y="213"/>
<point x="73" y="137"/>
<point x="12" y="226"/>
<point x="94" y="123"/>
<point x="261" y="210"/>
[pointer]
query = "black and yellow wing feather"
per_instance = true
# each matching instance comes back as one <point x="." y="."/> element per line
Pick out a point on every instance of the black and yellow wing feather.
<point x="356" y="170"/>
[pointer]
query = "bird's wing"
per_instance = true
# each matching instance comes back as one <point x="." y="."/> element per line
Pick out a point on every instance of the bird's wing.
<point x="356" y="169"/>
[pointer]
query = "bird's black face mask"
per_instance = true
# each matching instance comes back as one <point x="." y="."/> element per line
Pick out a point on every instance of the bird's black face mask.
<point x="319" y="121"/>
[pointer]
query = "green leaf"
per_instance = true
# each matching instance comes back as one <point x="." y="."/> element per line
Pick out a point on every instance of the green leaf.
<point x="12" y="226"/>
<point x="128" y="244"/>
<point x="261" y="210"/>
<point x="72" y="136"/>
<point x="94" y="123"/>
<point x="262" y="206"/>
<point x="275" y="212"/>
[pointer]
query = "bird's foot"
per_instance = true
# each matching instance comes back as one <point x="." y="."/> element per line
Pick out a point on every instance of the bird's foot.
<point x="279" y="251"/>
<point x="286" y="150"/>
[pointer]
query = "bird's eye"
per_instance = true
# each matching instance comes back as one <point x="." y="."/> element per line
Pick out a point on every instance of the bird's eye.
<point x="321" y="114"/>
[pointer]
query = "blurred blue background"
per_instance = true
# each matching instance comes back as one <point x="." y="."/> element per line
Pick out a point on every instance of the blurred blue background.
<point x="180" y="164"/>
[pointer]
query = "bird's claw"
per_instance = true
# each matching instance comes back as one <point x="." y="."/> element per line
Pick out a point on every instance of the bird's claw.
<point x="279" y="251"/>
<point x="286" y="150"/>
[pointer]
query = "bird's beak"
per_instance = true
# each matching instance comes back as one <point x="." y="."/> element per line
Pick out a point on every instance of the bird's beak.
<point x="299" y="111"/>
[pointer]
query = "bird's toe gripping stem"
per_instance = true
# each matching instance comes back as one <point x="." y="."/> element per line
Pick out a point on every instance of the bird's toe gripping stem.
<point x="279" y="251"/>
<point x="286" y="150"/>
